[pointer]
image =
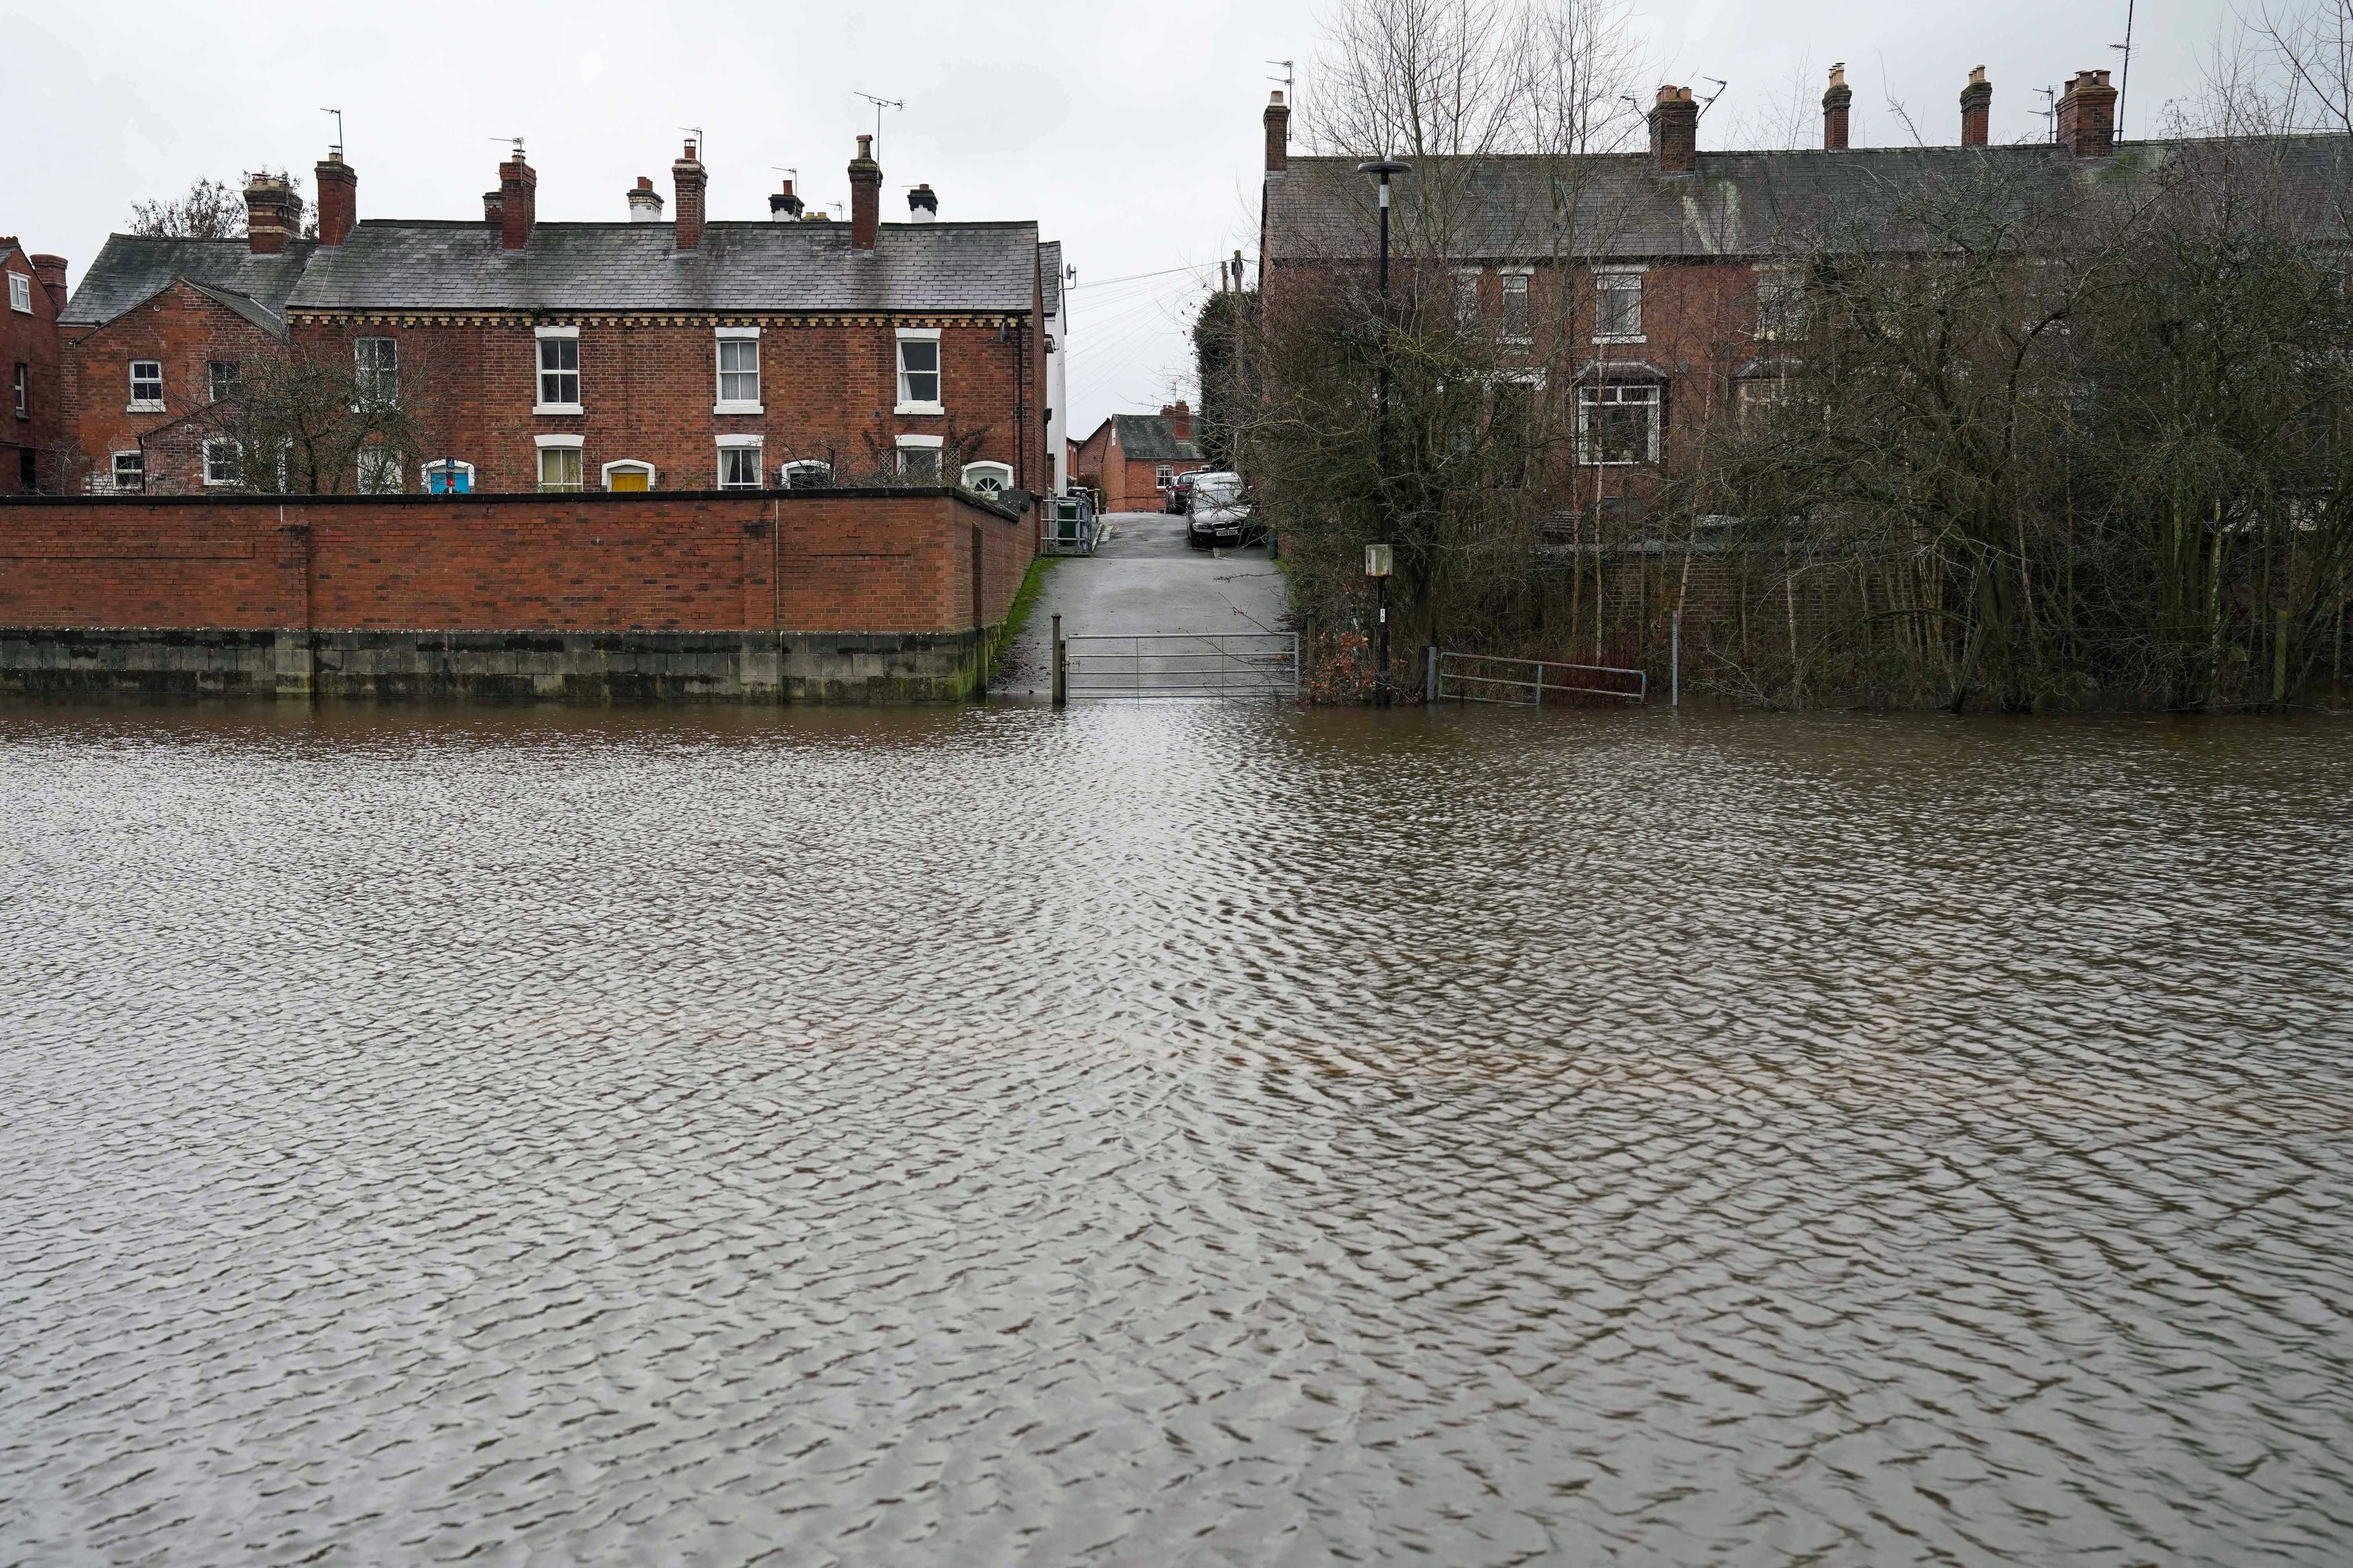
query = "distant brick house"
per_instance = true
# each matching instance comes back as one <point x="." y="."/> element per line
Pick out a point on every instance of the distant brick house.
<point x="643" y="354"/>
<point x="1134" y="458"/>
<point x="32" y="420"/>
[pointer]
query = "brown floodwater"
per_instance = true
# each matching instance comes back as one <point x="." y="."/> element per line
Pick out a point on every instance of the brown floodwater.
<point x="1173" y="1134"/>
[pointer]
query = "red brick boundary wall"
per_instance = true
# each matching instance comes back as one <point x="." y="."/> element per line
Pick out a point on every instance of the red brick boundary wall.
<point x="881" y="593"/>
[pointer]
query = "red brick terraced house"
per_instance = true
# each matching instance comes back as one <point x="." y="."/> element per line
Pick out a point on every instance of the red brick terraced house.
<point x="31" y="423"/>
<point x="1648" y="283"/>
<point x="1133" y="459"/>
<point x="638" y="354"/>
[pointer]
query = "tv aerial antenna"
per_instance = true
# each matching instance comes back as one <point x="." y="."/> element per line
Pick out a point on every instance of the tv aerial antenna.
<point x="2125" y="86"/>
<point x="880" y="105"/>
<point x="339" y="129"/>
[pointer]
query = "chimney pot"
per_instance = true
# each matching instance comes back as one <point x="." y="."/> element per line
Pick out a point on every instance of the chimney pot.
<point x="1278" y="133"/>
<point x="865" y="195"/>
<point x="1674" y="131"/>
<point x="1835" y="105"/>
<point x="688" y="179"/>
<point x="271" y="214"/>
<point x="339" y="199"/>
<point x="2088" y="116"/>
<point x="1976" y="109"/>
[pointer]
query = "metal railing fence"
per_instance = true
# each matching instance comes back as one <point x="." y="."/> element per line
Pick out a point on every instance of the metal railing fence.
<point x="1526" y="683"/>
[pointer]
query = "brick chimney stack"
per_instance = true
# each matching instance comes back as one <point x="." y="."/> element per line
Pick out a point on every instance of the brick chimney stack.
<point x="1835" y="103"/>
<point x="1674" y="131"/>
<point x="339" y="199"/>
<point x="1278" y="133"/>
<point x="51" y="272"/>
<point x="645" y="202"/>
<point x="518" y="202"/>
<point x="1180" y="419"/>
<point x="2088" y="116"/>
<point x="271" y="214"/>
<point x="687" y="178"/>
<point x="865" y="195"/>
<point x="1976" y="109"/>
<point x="491" y="202"/>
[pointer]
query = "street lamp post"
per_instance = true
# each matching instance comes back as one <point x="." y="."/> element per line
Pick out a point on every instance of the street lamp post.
<point x="1383" y="169"/>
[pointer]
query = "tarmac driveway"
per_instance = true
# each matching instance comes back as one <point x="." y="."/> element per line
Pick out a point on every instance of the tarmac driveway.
<point x="1147" y="579"/>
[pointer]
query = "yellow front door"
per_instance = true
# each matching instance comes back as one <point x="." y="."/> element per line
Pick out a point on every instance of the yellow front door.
<point x="629" y="479"/>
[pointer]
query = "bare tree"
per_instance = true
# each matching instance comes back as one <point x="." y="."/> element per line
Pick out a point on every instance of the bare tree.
<point x="2310" y="43"/>
<point x="209" y="209"/>
<point x="305" y="420"/>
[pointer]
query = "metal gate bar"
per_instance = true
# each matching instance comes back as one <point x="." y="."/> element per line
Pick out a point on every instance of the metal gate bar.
<point x="1139" y="665"/>
<point x="1529" y="686"/>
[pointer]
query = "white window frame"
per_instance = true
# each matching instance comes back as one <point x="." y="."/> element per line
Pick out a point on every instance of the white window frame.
<point x="236" y="458"/>
<point x="987" y="469"/>
<point x="1753" y="395"/>
<point x="139" y="404"/>
<point x="723" y="403"/>
<point x="938" y="371"/>
<point x="1592" y="394"/>
<point x="1780" y="304"/>
<point x="915" y="443"/>
<point x="539" y="469"/>
<point x="1468" y="316"/>
<point x="540" y="338"/>
<point x="213" y="379"/>
<point x="635" y="465"/>
<point x="370" y="376"/>
<point x="739" y="443"/>
<point x="20" y="292"/>
<point x="114" y="472"/>
<point x="388" y="464"/>
<point x="1524" y="277"/>
<point x="1603" y="278"/>
<point x="455" y="465"/>
<point x="23" y="389"/>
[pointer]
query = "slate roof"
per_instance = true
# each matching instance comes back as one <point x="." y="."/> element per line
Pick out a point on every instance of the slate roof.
<point x="1147" y="438"/>
<point x="1736" y="203"/>
<point x="253" y="310"/>
<point x="391" y="265"/>
<point x="129" y="269"/>
<point x="1050" y="267"/>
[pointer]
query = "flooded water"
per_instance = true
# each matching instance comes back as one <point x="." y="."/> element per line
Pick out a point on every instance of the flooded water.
<point x="1173" y="1135"/>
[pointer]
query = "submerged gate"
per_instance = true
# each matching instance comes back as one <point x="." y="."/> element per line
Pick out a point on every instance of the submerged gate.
<point x="1136" y="664"/>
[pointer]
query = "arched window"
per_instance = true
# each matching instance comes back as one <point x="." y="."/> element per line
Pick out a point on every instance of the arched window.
<point x="988" y="478"/>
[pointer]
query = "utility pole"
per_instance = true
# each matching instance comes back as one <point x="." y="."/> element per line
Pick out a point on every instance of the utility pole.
<point x="1383" y="169"/>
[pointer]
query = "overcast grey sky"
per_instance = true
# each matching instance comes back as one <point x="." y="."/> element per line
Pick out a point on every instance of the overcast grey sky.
<point x="1130" y="131"/>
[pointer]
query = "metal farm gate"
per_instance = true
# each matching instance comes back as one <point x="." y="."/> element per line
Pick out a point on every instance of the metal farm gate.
<point x="1135" y="665"/>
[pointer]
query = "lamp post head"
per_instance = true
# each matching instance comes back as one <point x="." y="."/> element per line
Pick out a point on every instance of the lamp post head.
<point x="1384" y="167"/>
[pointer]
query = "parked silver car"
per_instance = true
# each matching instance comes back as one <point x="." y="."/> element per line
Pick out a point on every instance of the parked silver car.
<point x="1219" y="511"/>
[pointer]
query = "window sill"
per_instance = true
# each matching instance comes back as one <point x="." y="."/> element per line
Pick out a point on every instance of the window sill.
<point x="559" y="489"/>
<point x="739" y="487"/>
<point x="921" y="408"/>
<point x="725" y="406"/>
<point x="219" y="484"/>
<point x="557" y="408"/>
<point x="143" y="408"/>
<point x="1623" y="337"/>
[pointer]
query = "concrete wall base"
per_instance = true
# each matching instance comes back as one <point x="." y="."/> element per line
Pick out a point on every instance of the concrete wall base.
<point x="590" y="668"/>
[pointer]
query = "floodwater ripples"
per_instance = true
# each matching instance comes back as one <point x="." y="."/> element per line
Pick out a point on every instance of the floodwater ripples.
<point x="1173" y="1134"/>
